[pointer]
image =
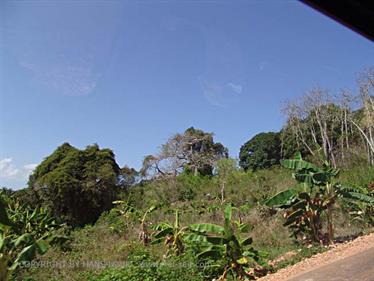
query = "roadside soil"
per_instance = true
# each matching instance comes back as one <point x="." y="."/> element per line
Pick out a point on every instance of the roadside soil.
<point x="356" y="254"/>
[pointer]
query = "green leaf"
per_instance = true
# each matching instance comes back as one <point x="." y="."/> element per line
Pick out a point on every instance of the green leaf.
<point x="2" y="240"/>
<point x="245" y="227"/>
<point x="297" y="165"/>
<point x="281" y="198"/>
<point x="306" y="178"/>
<point x="27" y="254"/>
<point x="297" y="156"/>
<point x="195" y="238"/>
<point x="24" y="238"/>
<point x="206" y="228"/>
<point x="164" y="232"/>
<point x="228" y="213"/>
<point x="42" y="246"/>
<point x="358" y="197"/>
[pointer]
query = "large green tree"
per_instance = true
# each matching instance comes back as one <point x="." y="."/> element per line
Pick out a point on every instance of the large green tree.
<point x="262" y="151"/>
<point x="77" y="185"/>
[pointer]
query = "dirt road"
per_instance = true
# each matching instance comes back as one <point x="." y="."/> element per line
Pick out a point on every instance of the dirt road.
<point x="353" y="261"/>
<point x="358" y="267"/>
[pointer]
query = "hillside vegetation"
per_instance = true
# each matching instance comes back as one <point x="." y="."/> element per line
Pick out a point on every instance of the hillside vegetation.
<point x="192" y="212"/>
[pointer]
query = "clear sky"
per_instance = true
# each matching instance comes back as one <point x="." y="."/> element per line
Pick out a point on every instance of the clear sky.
<point x="128" y="74"/>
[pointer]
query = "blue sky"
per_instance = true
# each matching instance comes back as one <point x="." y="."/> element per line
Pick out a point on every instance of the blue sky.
<point x="128" y="74"/>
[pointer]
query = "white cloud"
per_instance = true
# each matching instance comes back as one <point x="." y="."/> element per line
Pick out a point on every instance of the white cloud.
<point x="237" y="88"/>
<point x="28" y="168"/>
<point x="221" y="94"/>
<point x="9" y="171"/>
<point x="7" y="168"/>
<point x="72" y="79"/>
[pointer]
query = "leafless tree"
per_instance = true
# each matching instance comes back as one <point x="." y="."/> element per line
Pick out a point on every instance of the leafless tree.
<point x="194" y="149"/>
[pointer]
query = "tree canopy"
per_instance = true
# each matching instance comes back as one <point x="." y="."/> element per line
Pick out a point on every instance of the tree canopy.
<point x="262" y="151"/>
<point x="77" y="184"/>
<point x="194" y="151"/>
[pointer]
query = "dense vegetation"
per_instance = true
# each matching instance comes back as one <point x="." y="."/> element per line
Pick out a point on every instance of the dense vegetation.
<point x="76" y="185"/>
<point x="193" y="213"/>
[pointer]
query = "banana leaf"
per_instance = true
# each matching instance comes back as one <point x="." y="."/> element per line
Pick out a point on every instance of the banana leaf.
<point x="195" y="238"/>
<point x="297" y="165"/>
<point x="281" y="199"/>
<point x="164" y="232"/>
<point x="228" y="213"/>
<point x="206" y="228"/>
<point x="358" y="197"/>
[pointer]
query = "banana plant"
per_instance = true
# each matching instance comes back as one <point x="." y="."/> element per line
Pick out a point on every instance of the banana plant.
<point x="23" y="234"/>
<point x="315" y="194"/>
<point x="233" y="254"/>
<point x="172" y="235"/>
<point x="144" y="235"/>
<point x="359" y="202"/>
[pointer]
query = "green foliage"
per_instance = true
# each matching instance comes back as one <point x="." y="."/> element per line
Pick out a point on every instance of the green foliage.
<point x="262" y="151"/>
<point x="127" y="177"/>
<point x="223" y="244"/>
<point x="77" y="185"/>
<point x="24" y="233"/>
<point x="172" y="235"/>
<point x="317" y="195"/>
<point x="283" y="198"/>
<point x="144" y="235"/>
<point x="359" y="202"/>
<point x="225" y="168"/>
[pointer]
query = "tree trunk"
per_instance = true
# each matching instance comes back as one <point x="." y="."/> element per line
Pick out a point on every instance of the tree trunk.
<point x="222" y="193"/>
<point x="330" y="227"/>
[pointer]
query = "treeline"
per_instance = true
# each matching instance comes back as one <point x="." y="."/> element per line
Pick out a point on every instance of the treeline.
<point x="78" y="185"/>
<point x="338" y="127"/>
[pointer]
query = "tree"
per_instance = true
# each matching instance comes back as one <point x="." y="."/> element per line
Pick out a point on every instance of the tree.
<point x="128" y="177"/>
<point x="366" y="124"/>
<point x="262" y="151"/>
<point x="224" y="168"/>
<point x="315" y="122"/>
<point x="77" y="185"/>
<point x="194" y="150"/>
<point x="331" y="124"/>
